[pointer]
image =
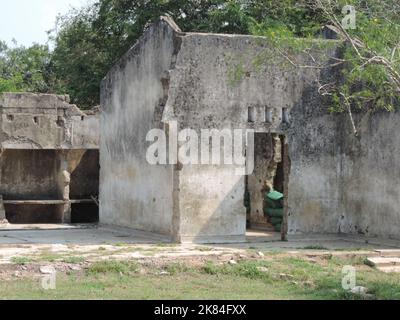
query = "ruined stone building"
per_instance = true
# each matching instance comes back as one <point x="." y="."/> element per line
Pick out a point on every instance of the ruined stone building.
<point x="49" y="160"/>
<point x="53" y="164"/>
<point x="333" y="182"/>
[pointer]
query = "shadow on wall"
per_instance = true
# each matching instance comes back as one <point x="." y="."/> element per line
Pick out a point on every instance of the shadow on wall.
<point x="85" y="186"/>
<point x="21" y="214"/>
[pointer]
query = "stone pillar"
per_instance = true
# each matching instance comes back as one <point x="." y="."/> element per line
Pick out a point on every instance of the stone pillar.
<point x="3" y="218"/>
<point x="64" y="182"/>
<point x="2" y="212"/>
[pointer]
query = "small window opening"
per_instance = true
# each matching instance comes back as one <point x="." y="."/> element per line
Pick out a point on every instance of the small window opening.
<point x="285" y="115"/>
<point x="252" y="114"/>
<point x="268" y="115"/>
<point x="10" y="117"/>
<point x="60" y="121"/>
<point x="36" y="120"/>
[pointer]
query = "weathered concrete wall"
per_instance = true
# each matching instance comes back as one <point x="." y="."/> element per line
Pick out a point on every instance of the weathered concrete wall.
<point x="46" y="175"/>
<point x="86" y="131"/>
<point x="42" y="141"/>
<point x="205" y="92"/>
<point x="84" y="166"/>
<point x="34" y="213"/>
<point x="337" y="183"/>
<point x="314" y="181"/>
<point x="27" y="174"/>
<point x="134" y="193"/>
<point x="209" y="89"/>
<point x="340" y="183"/>
<point x="191" y="79"/>
<point x="211" y="204"/>
<point x="370" y="176"/>
<point x="44" y="121"/>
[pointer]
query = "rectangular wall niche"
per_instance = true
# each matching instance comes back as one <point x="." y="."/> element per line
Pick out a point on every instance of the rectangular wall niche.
<point x="251" y="114"/>
<point x="268" y="115"/>
<point x="285" y="115"/>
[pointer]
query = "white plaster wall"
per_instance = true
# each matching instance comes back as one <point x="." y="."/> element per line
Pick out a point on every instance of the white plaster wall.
<point x="45" y="121"/>
<point x="202" y="96"/>
<point x="340" y="183"/>
<point x="211" y="204"/>
<point x="134" y="193"/>
<point x="86" y="132"/>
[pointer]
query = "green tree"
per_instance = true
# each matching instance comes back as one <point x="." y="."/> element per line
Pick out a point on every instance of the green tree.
<point x="91" y="40"/>
<point x="371" y="60"/>
<point x="26" y="69"/>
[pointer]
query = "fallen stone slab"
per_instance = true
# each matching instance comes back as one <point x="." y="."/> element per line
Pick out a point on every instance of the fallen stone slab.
<point x="389" y="269"/>
<point x="383" y="261"/>
<point x="47" y="270"/>
<point x="389" y="252"/>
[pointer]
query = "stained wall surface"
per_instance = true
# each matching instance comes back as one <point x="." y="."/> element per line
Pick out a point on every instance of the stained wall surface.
<point x="337" y="182"/>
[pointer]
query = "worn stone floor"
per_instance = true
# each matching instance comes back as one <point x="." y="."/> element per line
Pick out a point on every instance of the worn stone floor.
<point x="100" y="242"/>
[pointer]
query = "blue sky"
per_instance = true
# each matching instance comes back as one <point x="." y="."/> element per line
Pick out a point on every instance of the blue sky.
<point x="28" y="20"/>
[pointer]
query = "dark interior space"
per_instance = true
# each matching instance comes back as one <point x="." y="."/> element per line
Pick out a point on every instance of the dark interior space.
<point x="85" y="177"/>
<point x="33" y="213"/>
<point x="84" y="213"/>
<point x="279" y="179"/>
<point x="32" y="190"/>
<point x="84" y="186"/>
<point x="29" y="175"/>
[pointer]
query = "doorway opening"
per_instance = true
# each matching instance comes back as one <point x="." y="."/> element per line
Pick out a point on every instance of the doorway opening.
<point x="49" y="186"/>
<point x="84" y="188"/>
<point x="266" y="188"/>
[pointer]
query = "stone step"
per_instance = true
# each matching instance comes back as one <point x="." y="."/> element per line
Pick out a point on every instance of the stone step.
<point x="384" y="261"/>
<point x="388" y="269"/>
<point x="388" y="252"/>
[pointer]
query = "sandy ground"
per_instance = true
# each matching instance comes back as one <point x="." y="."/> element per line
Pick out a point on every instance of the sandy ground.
<point x="94" y="242"/>
<point x="25" y="249"/>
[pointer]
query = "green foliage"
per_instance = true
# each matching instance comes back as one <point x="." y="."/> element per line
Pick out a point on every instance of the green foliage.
<point x="177" y="268"/>
<point x="26" y="69"/>
<point x="363" y="84"/>
<point x="112" y="266"/>
<point x="74" y="259"/>
<point x="21" y="260"/>
<point x="89" y="41"/>
<point x="368" y="85"/>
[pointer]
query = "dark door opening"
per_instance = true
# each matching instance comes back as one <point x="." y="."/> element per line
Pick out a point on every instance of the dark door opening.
<point x="84" y="189"/>
<point x="270" y="174"/>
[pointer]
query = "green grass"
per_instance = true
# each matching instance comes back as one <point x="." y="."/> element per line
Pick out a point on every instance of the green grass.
<point x="279" y="277"/>
<point x="73" y="259"/>
<point x="120" y="244"/>
<point x="177" y="268"/>
<point x="315" y="247"/>
<point x="111" y="266"/>
<point x="21" y="260"/>
<point x="49" y="257"/>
